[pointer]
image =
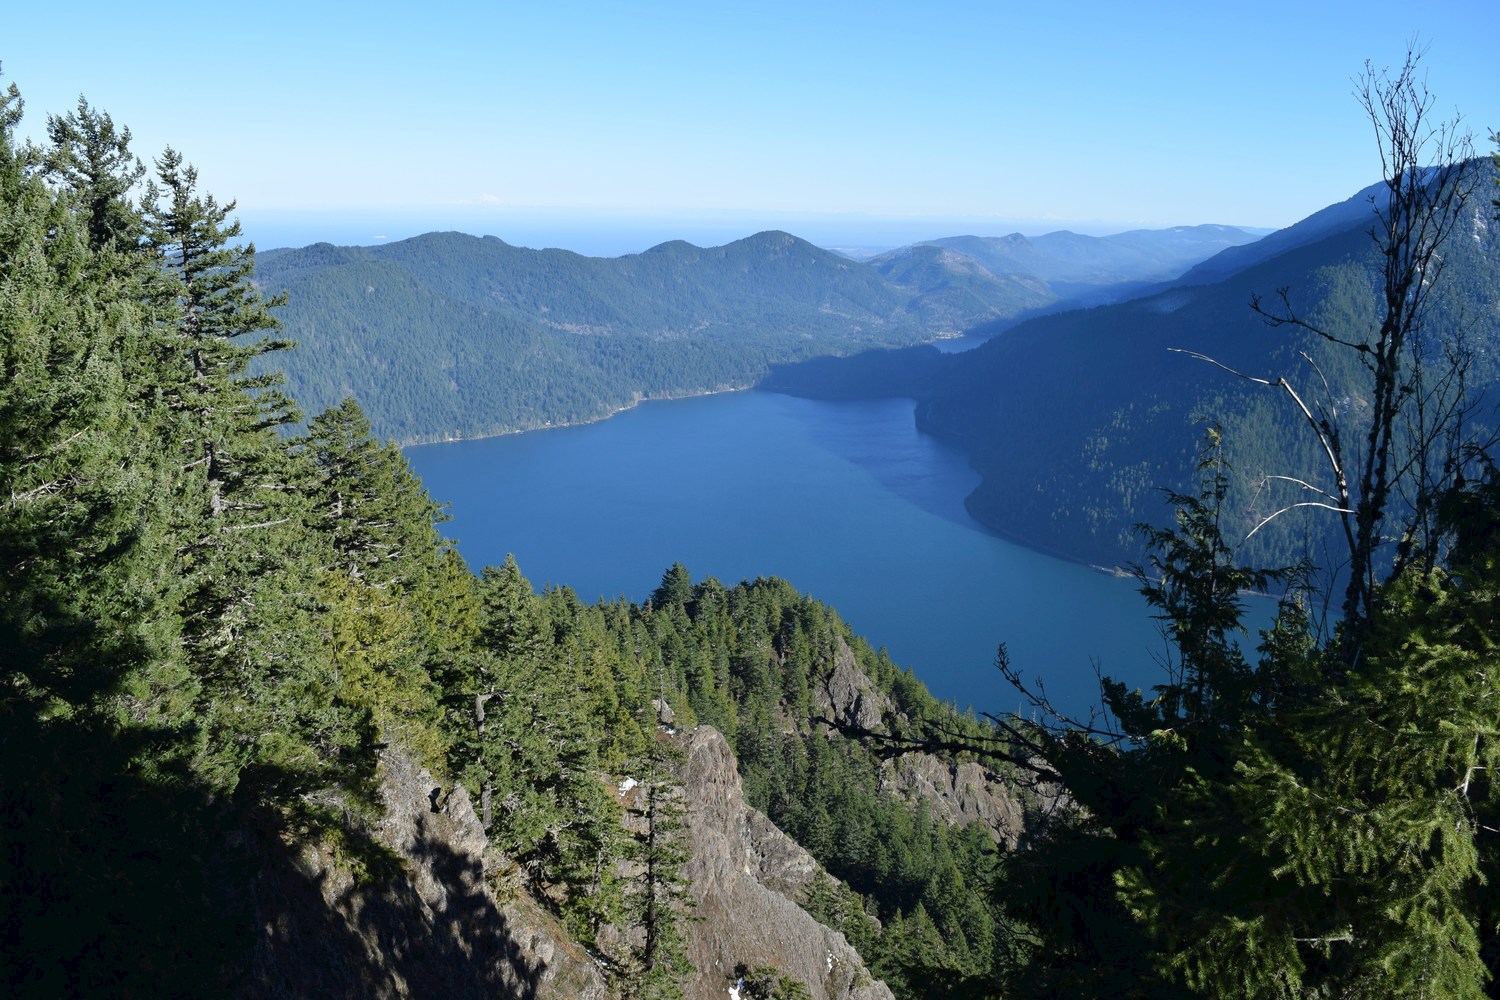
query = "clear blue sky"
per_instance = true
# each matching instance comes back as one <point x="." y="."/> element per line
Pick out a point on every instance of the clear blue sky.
<point x="995" y="114"/>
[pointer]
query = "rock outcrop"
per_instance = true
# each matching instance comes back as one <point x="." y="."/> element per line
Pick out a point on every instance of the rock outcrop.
<point x="745" y="875"/>
<point x="847" y="696"/>
<point x="961" y="793"/>
<point x="435" y="929"/>
<point x="958" y="794"/>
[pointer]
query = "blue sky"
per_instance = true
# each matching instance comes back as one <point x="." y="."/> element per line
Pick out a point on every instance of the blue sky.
<point x="546" y="122"/>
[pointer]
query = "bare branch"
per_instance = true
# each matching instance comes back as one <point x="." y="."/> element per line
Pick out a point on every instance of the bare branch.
<point x="1305" y="503"/>
<point x="1304" y="485"/>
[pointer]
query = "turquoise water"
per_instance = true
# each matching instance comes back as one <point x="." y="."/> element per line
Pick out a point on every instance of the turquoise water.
<point x="845" y="500"/>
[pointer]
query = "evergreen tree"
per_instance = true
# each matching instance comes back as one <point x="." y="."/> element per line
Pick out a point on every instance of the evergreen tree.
<point x="90" y="157"/>
<point x="659" y="901"/>
<point x="95" y="709"/>
<point x="266" y="704"/>
<point x="525" y="744"/>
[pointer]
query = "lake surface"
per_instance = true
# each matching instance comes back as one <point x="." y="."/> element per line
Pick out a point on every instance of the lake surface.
<point x="845" y="500"/>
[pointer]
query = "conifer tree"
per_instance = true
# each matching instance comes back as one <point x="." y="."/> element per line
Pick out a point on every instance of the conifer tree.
<point x="77" y="471"/>
<point x="91" y="157"/>
<point x="524" y="742"/>
<point x="266" y="707"/>
<point x="379" y="527"/>
<point x="659" y="899"/>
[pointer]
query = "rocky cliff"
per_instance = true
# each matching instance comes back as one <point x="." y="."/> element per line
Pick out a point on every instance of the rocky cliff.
<point x="960" y="793"/>
<point x="434" y="928"/>
<point x="746" y="876"/>
<point x="430" y="923"/>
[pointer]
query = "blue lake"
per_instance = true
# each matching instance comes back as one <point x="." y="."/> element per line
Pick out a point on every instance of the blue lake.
<point x="845" y="500"/>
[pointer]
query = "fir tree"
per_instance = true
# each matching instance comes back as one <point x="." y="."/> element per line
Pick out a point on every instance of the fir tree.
<point x="266" y="702"/>
<point x="90" y="157"/>
<point x="659" y="900"/>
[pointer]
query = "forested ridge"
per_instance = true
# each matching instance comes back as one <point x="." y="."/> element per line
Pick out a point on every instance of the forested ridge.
<point x="218" y="612"/>
<point x="447" y="335"/>
<point x="1077" y="420"/>
<point x="452" y="336"/>
<point x="1074" y="470"/>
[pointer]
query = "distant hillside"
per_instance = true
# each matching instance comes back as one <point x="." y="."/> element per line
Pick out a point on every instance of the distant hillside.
<point x="985" y="279"/>
<point x="447" y="335"/>
<point x="953" y="289"/>
<point x="1073" y="264"/>
<point x="1076" y="420"/>
<point x="1353" y="213"/>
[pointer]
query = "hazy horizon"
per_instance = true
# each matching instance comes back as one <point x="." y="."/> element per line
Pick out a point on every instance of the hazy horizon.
<point x="613" y="235"/>
<point x="744" y="117"/>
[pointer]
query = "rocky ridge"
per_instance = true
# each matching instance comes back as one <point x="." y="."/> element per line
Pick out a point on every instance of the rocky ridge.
<point x="435" y="929"/>
<point x="957" y="792"/>
<point x="746" y="876"/>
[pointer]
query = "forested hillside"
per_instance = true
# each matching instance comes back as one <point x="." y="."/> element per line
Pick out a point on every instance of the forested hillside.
<point x="447" y="335"/>
<point x="451" y="335"/>
<point x="1075" y="421"/>
<point x="1078" y="420"/>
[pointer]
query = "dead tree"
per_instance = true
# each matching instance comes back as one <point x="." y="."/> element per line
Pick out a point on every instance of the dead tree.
<point x="1386" y="472"/>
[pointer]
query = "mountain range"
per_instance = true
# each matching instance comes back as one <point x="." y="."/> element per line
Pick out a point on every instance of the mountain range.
<point x="447" y="335"/>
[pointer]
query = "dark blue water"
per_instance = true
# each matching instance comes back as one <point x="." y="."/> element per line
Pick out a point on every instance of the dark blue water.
<point x="845" y="500"/>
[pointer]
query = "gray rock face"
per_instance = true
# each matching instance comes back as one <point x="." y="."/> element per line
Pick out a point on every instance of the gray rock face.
<point x="437" y="929"/>
<point x="745" y="875"/>
<point x="959" y="794"/>
<point x="847" y="696"/>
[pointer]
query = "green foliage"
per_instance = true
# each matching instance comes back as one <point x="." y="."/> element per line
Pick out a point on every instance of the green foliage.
<point x="206" y="624"/>
<point x="658" y="900"/>
<point x="1300" y="825"/>
<point x="762" y="982"/>
<point x="91" y="158"/>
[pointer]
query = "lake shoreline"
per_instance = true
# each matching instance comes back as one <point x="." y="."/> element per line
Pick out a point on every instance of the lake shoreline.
<point x="1119" y="572"/>
<point x="423" y="441"/>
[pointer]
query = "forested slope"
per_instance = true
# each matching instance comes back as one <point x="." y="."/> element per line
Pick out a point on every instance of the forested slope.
<point x="1077" y="420"/>
<point x="452" y="335"/>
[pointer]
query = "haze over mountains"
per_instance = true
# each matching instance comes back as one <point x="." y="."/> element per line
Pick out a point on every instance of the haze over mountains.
<point x="447" y="335"/>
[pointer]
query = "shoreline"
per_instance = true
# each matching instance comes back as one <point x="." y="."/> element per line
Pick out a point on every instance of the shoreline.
<point x="423" y="440"/>
<point x="426" y="440"/>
